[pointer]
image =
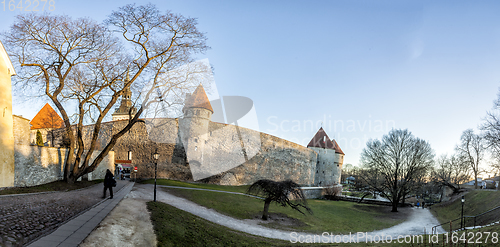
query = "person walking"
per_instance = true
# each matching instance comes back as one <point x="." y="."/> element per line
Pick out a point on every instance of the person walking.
<point x="423" y="204"/>
<point x="109" y="182"/>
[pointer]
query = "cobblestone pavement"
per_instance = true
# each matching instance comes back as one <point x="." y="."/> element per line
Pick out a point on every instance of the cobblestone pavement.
<point x="24" y="218"/>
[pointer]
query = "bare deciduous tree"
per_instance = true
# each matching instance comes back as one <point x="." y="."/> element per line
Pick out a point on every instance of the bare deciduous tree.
<point x="279" y="192"/>
<point x="80" y="63"/>
<point x="451" y="171"/>
<point x="471" y="150"/>
<point x="395" y="163"/>
<point x="491" y="134"/>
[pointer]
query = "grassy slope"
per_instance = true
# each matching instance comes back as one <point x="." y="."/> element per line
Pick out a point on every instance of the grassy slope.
<point x="330" y="216"/>
<point x="174" y="227"/>
<point x="241" y="189"/>
<point x="476" y="202"/>
<point x="54" y="186"/>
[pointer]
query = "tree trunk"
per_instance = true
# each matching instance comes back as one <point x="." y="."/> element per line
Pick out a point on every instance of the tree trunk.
<point x="363" y="197"/>
<point x="267" y="202"/>
<point x="395" y="201"/>
<point x="394" y="206"/>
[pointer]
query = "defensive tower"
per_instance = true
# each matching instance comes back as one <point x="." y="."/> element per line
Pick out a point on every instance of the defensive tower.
<point x="330" y="159"/>
<point x="193" y="127"/>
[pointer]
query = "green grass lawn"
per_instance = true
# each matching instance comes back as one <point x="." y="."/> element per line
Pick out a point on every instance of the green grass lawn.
<point x="53" y="186"/>
<point x="476" y="202"/>
<point x="241" y="189"/>
<point x="174" y="227"/>
<point x="329" y="216"/>
<point x="357" y="194"/>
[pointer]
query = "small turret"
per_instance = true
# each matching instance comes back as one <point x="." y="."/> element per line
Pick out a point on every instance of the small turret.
<point x="197" y="104"/>
<point x="126" y="106"/>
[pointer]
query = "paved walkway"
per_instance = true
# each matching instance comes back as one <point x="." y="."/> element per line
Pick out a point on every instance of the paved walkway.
<point x="76" y="230"/>
<point x="419" y="219"/>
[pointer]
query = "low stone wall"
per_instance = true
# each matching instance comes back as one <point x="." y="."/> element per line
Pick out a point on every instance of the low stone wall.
<point x="313" y="192"/>
<point x="40" y="165"/>
<point x="370" y="201"/>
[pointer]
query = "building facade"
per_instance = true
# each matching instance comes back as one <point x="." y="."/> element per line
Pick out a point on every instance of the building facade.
<point x="6" y="120"/>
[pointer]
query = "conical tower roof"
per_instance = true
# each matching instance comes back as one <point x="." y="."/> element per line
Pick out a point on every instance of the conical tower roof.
<point x="321" y="140"/>
<point x="47" y="117"/>
<point x="199" y="99"/>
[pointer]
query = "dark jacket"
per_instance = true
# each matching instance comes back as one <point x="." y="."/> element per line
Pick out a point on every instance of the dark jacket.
<point x="109" y="180"/>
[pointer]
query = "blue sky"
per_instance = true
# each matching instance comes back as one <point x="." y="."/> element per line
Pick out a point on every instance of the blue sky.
<point x="358" y="68"/>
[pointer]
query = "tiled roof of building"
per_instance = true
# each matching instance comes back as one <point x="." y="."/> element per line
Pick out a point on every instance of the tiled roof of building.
<point x="47" y="118"/>
<point x="199" y="99"/>
<point x="321" y="140"/>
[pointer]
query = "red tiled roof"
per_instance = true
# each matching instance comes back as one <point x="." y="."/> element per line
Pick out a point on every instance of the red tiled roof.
<point x="321" y="140"/>
<point x="337" y="148"/>
<point x="47" y="118"/>
<point x="199" y="99"/>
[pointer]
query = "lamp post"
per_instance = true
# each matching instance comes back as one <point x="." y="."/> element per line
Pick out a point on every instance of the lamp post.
<point x="462" y="222"/>
<point x="156" y="155"/>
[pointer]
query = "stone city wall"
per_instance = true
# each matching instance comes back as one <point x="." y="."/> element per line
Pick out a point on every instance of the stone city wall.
<point x="275" y="159"/>
<point x="39" y="165"/>
<point x="242" y="156"/>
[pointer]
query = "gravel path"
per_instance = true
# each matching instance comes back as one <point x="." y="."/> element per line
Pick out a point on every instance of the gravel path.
<point x="26" y="217"/>
<point x="419" y="219"/>
<point x="127" y="225"/>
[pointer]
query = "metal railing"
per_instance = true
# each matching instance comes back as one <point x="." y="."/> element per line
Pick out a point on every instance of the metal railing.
<point x="462" y="223"/>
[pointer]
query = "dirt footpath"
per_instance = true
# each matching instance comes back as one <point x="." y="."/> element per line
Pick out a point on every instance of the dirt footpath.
<point x="127" y="225"/>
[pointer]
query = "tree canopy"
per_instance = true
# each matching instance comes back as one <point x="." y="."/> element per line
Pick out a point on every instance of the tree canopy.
<point x="396" y="164"/>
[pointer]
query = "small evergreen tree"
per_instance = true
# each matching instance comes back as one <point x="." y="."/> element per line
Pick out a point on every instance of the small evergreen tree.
<point x="39" y="139"/>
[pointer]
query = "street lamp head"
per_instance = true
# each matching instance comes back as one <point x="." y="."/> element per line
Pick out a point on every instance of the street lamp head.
<point x="156" y="155"/>
<point x="463" y="199"/>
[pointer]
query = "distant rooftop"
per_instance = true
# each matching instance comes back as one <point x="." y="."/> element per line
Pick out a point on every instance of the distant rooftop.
<point x="47" y="117"/>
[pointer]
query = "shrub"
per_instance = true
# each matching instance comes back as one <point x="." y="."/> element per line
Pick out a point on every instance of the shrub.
<point x="39" y="139"/>
<point x="332" y="192"/>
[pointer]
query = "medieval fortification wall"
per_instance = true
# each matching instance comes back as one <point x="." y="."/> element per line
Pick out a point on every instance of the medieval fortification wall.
<point x="39" y="165"/>
<point x="257" y="155"/>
